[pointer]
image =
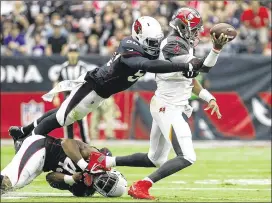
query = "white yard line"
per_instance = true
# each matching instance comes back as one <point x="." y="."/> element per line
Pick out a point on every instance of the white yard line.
<point x="51" y="194"/>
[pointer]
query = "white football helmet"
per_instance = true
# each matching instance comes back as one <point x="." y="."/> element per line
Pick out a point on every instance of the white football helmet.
<point x="110" y="184"/>
<point x="148" y="32"/>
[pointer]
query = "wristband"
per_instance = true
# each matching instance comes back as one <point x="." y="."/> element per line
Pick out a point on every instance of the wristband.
<point x="69" y="180"/>
<point x="211" y="59"/>
<point x="206" y="96"/>
<point x="82" y="164"/>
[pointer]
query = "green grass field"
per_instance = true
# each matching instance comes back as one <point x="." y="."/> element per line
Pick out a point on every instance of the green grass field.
<point x="234" y="174"/>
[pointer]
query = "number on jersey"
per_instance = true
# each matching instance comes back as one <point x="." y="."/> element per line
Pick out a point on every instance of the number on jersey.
<point x="136" y="76"/>
<point x="67" y="165"/>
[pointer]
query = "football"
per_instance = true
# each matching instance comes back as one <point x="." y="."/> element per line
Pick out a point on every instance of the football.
<point x="225" y="28"/>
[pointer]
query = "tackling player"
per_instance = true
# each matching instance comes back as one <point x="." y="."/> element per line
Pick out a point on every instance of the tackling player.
<point x="68" y="160"/>
<point x="169" y="104"/>
<point x="135" y="56"/>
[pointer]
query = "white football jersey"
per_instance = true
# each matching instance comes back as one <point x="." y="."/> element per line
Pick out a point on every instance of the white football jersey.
<point x="174" y="88"/>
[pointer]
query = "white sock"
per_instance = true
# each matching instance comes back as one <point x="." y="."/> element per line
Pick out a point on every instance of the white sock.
<point x="148" y="179"/>
<point x="35" y="123"/>
<point x="110" y="161"/>
<point x="22" y="130"/>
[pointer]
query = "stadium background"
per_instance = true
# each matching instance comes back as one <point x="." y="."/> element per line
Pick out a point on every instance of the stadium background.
<point x="241" y="80"/>
<point x="225" y="171"/>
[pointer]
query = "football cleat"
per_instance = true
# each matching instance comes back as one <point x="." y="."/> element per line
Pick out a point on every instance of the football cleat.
<point x="97" y="163"/>
<point x="105" y="151"/>
<point x="139" y="190"/>
<point x="16" y="133"/>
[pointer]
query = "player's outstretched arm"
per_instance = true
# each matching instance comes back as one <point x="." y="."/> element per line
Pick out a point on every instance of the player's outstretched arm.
<point x="208" y="97"/>
<point x="77" y="151"/>
<point x="212" y="57"/>
<point x="62" y="181"/>
<point x="160" y="66"/>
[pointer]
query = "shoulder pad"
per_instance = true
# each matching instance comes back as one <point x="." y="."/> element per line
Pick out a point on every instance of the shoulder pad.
<point x="129" y="46"/>
<point x="174" y="46"/>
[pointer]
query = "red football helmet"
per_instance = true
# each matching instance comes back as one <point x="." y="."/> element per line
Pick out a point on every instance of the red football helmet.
<point x="188" y="22"/>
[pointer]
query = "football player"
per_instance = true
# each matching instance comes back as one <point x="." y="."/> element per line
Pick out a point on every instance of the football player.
<point x="170" y="103"/>
<point x="135" y="56"/>
<point x="68" y="160"/>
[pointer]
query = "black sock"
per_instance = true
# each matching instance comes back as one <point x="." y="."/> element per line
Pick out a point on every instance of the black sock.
<point x="47" y="125"/>
<point x="136" y="160"/>
<point x="170" y="167"/>
<point x="28" y="129"/>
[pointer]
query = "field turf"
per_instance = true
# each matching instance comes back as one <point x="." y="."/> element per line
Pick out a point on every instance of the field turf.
<point x="221" y="174"/>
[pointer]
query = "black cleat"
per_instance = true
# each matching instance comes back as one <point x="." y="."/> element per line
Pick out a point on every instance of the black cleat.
<point x="16" y="133"/>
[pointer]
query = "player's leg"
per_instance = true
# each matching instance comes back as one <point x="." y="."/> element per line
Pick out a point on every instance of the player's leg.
<point x="26" y="164"/>
<point x="80" y="102"/>
<point x="20" y="132"/>
<point x="69" y="131"/>
<point x="181" y="139"/>
<point x="157" y="155"/>
<point x="176" y="130"/>
<point x="83" y="126"/>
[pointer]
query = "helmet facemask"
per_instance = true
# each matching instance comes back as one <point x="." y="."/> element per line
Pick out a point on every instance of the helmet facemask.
<point x="104" y="183"/>
<point x="152" y="46"/>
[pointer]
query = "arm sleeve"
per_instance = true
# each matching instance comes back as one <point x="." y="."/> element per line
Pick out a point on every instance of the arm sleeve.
<point x="154" y="66"/>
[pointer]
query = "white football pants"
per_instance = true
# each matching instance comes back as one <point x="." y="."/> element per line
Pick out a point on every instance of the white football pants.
<point x="169" y="129"/>
<point x="28" y="163"/>
<point x="81" y="101"/>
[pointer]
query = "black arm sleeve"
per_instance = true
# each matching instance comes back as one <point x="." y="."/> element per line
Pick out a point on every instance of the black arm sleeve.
<point x="154" y="66"/>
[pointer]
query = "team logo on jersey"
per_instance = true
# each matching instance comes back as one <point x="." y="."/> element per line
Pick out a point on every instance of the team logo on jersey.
<point x="31" y="111"/>
<point x="177" y="49"/>
<point x="137" y="27"/>
<point x="162" y="109"/>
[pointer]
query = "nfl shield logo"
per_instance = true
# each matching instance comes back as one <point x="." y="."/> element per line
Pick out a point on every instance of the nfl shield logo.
<point x="31" y="111"/>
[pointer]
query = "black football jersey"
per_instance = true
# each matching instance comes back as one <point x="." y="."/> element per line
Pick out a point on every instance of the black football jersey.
<point x="56" y="160"/>
<point x="120" y="72"/>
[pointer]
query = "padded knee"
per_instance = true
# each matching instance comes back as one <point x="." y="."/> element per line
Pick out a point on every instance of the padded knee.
<point x="159" y="162"/>
<point x="60" y="117"/>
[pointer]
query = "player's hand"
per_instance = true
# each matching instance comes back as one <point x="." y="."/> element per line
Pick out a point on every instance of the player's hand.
<point x="219" y="42"/>
<point x="197" y="64"/>
<point x="77" y="177"/>
<point x="87" y="178"/>
<point x="56" y="101"/>
<point x="215" y="108"/>
<point x="190" y="74"/>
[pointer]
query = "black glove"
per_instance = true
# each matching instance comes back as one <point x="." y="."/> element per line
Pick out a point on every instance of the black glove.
<point x="197" y="64"/>
<point x="190" y="74"/>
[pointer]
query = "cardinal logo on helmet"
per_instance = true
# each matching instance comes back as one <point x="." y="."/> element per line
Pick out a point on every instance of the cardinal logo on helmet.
<point x="137" y="27"/>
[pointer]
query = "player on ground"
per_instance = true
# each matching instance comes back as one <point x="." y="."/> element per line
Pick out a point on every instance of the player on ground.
<point x="67" y="159"/>
<point x="135" y="56"/>
<point x="170" y="102"/>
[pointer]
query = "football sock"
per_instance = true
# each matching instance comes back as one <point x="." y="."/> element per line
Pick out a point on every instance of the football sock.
<point x="110" y="161"/>
<point x="47" y="125"/>
<point x="148" y="179"/>
<point x="28" y="129"/>
<point x="136" y="160"/>
<point x="170" y="167"/>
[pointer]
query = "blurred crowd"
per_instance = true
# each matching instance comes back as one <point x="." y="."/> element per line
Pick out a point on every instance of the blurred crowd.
<point x="47" y="27"/>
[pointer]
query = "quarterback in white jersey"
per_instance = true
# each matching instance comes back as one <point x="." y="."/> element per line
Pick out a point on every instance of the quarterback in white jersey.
<point x="170" y="103"/>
